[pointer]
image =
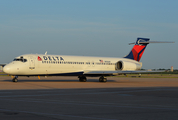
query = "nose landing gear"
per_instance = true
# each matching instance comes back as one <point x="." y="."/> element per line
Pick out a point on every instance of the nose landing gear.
<point x="15" y="79"/>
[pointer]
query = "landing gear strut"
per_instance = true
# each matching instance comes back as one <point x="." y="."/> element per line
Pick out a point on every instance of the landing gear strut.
<point x="82" y="78"/>
<point x="102" y="79"/>
<point x="15" y="79"/>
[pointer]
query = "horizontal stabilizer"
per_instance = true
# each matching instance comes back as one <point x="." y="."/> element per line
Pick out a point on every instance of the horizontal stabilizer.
<point x="147" y="42"/>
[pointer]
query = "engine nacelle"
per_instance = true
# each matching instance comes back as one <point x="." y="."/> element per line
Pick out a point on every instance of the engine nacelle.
<point x="127" y="65"/>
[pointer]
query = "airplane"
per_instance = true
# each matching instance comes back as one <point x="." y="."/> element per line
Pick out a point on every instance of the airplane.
<point x="81" y="66"/>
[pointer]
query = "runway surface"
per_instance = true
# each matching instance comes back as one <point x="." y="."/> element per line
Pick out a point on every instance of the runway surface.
<point x="65" y="98"/>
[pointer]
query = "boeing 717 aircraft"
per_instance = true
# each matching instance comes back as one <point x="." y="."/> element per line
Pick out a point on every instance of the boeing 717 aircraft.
<point x="81" y="66"/>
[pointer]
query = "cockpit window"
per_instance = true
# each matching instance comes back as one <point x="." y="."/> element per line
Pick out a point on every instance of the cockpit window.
<point x="20" y="59"/>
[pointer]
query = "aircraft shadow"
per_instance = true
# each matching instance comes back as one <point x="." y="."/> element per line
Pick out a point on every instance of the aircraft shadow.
<point x="57" y="80"/>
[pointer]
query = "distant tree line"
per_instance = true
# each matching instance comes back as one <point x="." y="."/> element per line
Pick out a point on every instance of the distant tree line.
<point x="167" y="71"/>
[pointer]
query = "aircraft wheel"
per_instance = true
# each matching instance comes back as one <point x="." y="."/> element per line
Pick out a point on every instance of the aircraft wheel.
<point x="102" y="79"/>
<point x="105" y="80"/>
<point x="15" y="80"/>
<point x="82" y="79"/>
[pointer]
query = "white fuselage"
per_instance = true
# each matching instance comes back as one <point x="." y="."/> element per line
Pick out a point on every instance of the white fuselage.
<point x="39" y="64"/>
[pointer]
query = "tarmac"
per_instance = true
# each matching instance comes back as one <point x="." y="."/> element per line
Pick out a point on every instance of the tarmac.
<point x="65" y="98"/>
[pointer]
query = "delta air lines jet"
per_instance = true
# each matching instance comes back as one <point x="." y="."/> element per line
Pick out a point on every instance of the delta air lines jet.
<point x="81" y="66"/>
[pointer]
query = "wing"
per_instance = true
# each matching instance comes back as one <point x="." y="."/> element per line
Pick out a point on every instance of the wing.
<point x="116" y="72"/>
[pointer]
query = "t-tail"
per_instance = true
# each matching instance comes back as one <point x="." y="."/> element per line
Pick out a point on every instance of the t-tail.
<point x="138" y="49"/>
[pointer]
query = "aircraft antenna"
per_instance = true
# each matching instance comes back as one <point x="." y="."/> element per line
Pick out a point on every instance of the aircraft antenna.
<point x="46" y="53"/>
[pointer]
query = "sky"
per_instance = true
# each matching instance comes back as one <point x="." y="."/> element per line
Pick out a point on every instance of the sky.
<point x="89" y="28"/>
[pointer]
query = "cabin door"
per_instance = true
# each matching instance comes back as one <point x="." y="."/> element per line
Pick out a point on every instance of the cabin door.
<point x="31" y="62"/>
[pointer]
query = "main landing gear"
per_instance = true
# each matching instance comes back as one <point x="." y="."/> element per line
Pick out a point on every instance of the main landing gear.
<point x="15" y="79"/>
<point x="82" y="78"/>
<point x="102" y="79"/>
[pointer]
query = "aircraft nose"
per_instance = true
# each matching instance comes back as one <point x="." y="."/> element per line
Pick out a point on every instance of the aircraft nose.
<point x="6" y="69"/>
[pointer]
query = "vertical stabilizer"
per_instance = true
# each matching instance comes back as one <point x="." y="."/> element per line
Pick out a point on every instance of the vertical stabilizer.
<point x="138" y="49"/>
